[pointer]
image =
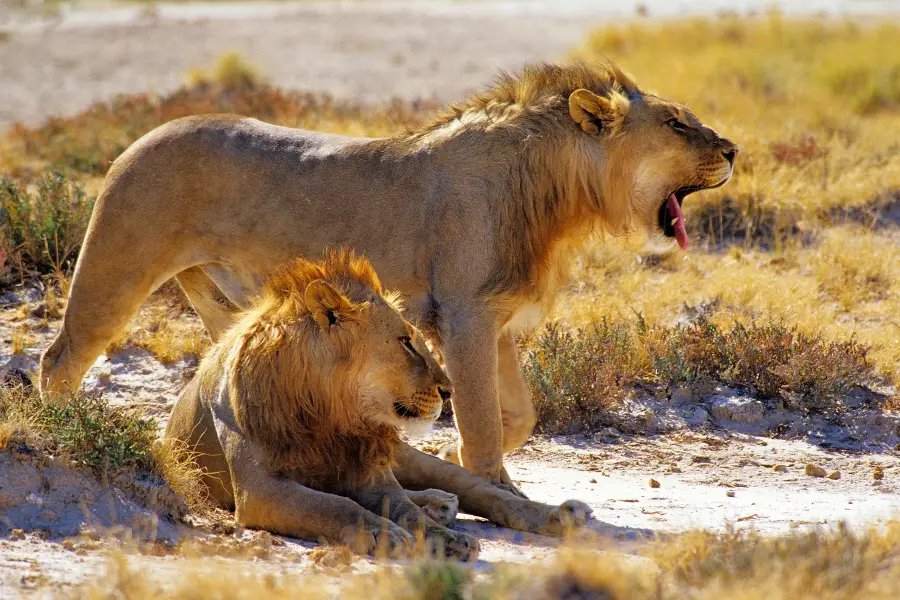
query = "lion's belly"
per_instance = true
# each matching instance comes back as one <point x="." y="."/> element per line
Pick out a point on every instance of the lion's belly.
<point x="526" y="318"/>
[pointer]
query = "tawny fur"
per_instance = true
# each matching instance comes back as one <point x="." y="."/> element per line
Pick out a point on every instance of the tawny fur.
<point x="293" y="419"/>
<point x="296" y="395"/>
<point x="472" y="219"/>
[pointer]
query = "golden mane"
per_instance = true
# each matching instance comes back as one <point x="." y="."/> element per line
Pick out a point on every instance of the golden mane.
<point x="296" y="394"/>
<point x="539" y="86"/>
<point x="548" y="191"/>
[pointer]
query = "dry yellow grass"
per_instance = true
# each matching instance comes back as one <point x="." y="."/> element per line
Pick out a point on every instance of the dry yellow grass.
<point x="827" y="565"/>
<point x="160" y="331"/>
<point x="796" y="236"/>
<point x="177" y="464"/>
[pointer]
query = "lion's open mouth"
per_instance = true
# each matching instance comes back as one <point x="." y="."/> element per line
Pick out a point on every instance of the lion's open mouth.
<point x="671" y="219"/>
<point x="405" y="412"/>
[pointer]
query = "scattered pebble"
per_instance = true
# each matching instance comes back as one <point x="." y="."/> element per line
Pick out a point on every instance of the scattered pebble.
<point x="17" y="534"/>
<point x="730" y="493"/>
<point x="815" y="470"/>
<point x="780" y="469"/>
<point x="878" y="473"/>
<point x="593" y="481"/>
<point x="835" y="475"/>
<point x="654" y="483"/>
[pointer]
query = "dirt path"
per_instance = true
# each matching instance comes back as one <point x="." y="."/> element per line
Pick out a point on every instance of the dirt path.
<point x="370" y="51"/>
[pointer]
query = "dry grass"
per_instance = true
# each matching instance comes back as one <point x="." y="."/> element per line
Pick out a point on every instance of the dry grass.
<point x="163" y="335"/>
<point x="177" y="465"/>
<point x="577" y="376"/>
<point x="815" y="107"/>
<point x="822" y="565"/>
<point x="231" y="72"/>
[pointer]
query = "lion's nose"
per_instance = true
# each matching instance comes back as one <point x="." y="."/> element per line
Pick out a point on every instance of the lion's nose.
<point x="730" y="154"/>
<point x="444" y="392"/>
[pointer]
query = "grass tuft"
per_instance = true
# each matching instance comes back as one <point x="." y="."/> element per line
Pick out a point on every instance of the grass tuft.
<point x="42" y="225"/>
<point x="86" y="430"/>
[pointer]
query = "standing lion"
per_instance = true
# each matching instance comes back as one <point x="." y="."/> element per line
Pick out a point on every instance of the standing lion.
<point x="472" y="218"/>
<point x="294" y="416"/>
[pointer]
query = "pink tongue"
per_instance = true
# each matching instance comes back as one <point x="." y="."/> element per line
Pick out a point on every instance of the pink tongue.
<point x="680" y="233"/>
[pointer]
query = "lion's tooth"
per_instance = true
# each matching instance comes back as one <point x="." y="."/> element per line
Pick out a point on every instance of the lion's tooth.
<point x="674" y="221"/>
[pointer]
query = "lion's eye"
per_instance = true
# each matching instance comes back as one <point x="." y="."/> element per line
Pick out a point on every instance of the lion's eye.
<point x="677" y="125"/>
<point x="407" y="343"/>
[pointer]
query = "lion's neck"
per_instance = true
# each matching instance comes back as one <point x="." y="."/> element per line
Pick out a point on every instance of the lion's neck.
<point x="540" y="206"/>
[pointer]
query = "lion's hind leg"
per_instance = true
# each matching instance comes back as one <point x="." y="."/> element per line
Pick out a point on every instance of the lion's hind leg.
<point x="215" y="310"/>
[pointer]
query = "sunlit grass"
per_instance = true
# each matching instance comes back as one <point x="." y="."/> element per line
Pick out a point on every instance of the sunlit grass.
<point x="835" y="564"/>
<point x="815" y="108"/>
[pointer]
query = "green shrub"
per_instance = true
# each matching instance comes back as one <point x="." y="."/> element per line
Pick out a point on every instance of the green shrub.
<point x="41" y="231"/>
<point x="576" y="376"/>
<point x="85" y="430"/>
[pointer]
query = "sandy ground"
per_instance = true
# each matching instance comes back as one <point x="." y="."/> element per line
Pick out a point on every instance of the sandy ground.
<point x="714" y="464"/>
<point x="369" y="51"/>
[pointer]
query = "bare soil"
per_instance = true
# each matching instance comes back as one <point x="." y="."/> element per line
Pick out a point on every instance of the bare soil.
<point x="57" y="61"/>
<point x="713" y="464"/>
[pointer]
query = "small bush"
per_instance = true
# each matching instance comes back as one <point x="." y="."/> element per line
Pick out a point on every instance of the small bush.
<point x="772" y="360"/>
<point x="576" y="376"/>
<point x="41" y="231"/>
<point x="85" y="430"/>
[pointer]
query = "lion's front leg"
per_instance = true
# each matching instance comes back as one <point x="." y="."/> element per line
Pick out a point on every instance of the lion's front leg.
<point x="471" y="355"/>
<point x="270" y="501"/>
<point x="385" y="496"/>
<point x="417" y="470"/>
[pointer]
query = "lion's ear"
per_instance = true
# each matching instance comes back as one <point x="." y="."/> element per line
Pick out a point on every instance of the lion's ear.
<point x="595" y="113"/>
<point x="327" y="305"/>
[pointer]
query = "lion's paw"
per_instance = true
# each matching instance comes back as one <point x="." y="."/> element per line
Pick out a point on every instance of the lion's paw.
<point x="569" y="515"/>
<point x="380" y="539"/>
<point x="439" y="505"/>
<point x="446" y="543"/>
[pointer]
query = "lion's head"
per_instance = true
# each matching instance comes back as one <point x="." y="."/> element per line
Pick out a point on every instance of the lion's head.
<point x="324" y="368"/>
<point x="657" y="152"/>
<point x="590" y="149"/>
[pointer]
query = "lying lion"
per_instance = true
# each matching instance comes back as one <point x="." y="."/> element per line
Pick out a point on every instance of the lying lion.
<point x="295" y="416"/>
<point x="472" y="218"/>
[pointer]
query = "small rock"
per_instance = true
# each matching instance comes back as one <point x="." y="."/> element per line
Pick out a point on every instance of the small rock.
<point x="17" y="534"/>
<point x="780" y="469"/>
<point x="739" y="409"/>
<point x="700" y="459"/>
<point x="878" y="473"/>
<point x="835" y="475"/>
<point x="814" y="470"/>
<point x="730" y="493"/>
<point x="39" y="311"/>
<point x="593" y="481"/>
<point x="654" y="483"/>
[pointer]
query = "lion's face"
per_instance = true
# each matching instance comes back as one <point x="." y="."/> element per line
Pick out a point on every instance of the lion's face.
<point x="411" y="386"/>
<point x="400" y="383"/>
<point x="657" y="153"/>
